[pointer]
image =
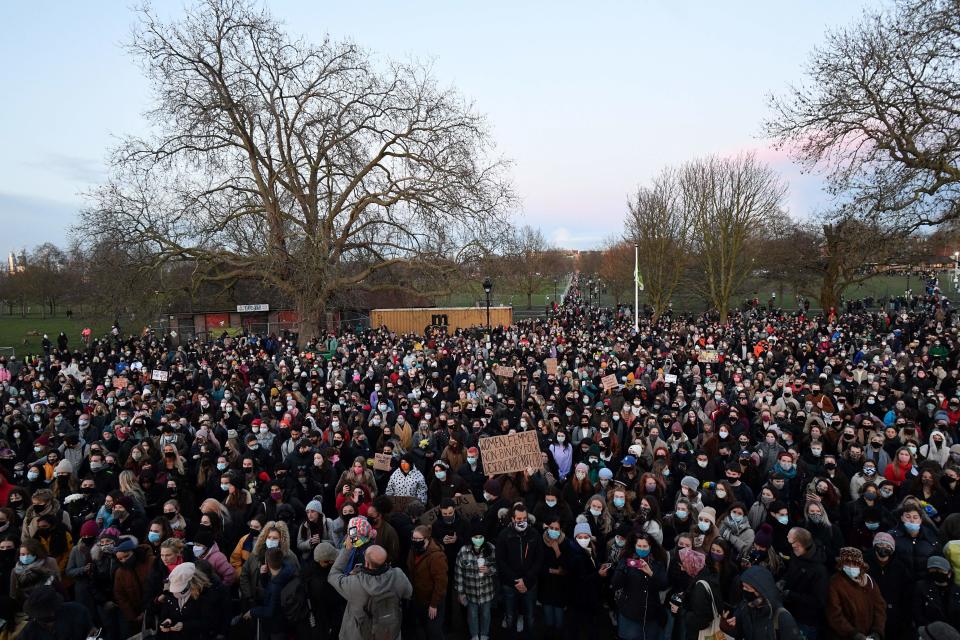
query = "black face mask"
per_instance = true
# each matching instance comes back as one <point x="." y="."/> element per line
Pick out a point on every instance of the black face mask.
<point x="883" y="552"/>
<point x="419" y="546"/>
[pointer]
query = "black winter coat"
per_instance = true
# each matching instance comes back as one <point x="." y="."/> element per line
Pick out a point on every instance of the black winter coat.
<point x="638" y="595"/>
<point x="805" y="587"/>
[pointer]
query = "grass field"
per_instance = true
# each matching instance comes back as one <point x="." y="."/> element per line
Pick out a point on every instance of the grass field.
<point x="26" y="334"/>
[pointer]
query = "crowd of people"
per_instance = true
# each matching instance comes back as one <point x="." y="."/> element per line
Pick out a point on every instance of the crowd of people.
<point x="775" y="475"/>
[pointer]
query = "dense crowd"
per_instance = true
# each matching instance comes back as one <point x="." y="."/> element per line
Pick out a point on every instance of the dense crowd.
<point x="781" y="475"/>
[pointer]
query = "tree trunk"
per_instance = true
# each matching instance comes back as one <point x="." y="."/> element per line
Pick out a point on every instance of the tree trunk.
<point x="829" y="296"/>
<point x="529" y="300"/>
<point x="312" y="321"/>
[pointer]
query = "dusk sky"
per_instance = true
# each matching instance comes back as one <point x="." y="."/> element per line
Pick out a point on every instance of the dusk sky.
<point x="589" y="100"/>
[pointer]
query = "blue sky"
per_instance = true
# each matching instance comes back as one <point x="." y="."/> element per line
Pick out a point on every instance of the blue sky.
<point x="588" y="100"/>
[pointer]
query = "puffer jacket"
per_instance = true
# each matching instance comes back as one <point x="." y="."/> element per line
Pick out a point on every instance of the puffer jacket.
<point x="410" y="484"/>
<point x="221" y="566"/>
<point x="250" y="573"/>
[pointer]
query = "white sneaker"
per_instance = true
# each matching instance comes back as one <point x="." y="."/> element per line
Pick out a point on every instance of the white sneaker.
<point x="520" y="624"/>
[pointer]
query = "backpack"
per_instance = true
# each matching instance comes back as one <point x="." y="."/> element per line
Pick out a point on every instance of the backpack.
<point x="383" y="616"/>
<point x="294" y="602"/>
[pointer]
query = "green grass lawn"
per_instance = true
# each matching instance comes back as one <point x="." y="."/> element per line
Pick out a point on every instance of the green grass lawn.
<point x="474" y="295"/>
<point x="686" y="300"/>
<point x="19" y="332"/>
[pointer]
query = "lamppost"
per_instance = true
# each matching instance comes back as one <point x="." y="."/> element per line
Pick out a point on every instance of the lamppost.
<point x="487" y="287"/>
<point x="956" y="270"/>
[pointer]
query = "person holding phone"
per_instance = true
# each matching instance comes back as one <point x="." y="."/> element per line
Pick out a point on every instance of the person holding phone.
<point x="637" y="580"/>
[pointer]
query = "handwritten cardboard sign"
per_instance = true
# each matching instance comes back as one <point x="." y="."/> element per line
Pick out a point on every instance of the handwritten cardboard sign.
<point x="466" y="506"/>
<point x="551" y="366"/>
<point x="510" y="453"/>
<point x="609" y="382"/>
<point x="710" y="355"/>
<point x="670" y="378"/>
<point x="503" y="372"/>
<point x="159" y="375"/>
<point x="120" y="382"/>
<point x="400" y="503"/>
<point x="381" y="462"/>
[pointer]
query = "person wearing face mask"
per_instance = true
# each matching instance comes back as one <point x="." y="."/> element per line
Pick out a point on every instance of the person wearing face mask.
<point x="274" y="535"/>
<point x="855" y="606"/>
<point x="472" y="473"/>
<point x="553" y="507"/>
<point x="407" y="480"/>
<point x="901" y="468"/>
<point x="79" y="566"/>
<point x="134" y="563"/>
<point x="519" y="553"/>
<point x="936" y="597"/>
<point x="562" y="453"/>
<point x="805" y="583"/>
<point x="761" y="614"/>
<point x="916" y="539"/>
<point x="427" y="568"/>
<point x="638" y="577"/>
<point x="735" y="529"/>
<point x="891" y="574"/>
<point x="204" y="547"/>
<point x="374" y="587"/>
<point x="586" y="569"/>
<point x="475" y="580"/>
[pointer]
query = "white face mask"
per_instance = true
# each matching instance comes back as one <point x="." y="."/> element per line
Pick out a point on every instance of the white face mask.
<point x="583" y="542"/>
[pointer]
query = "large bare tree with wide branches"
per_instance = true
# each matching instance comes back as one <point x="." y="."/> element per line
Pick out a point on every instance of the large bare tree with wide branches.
<point x="880" y="113"/>
<point x="310" y="167"/>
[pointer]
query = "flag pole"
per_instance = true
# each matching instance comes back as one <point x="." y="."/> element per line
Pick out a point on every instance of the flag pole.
<point x="636" y="288"/>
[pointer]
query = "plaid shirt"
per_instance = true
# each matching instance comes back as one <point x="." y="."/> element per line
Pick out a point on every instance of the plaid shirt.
<point x="468" y="579"/>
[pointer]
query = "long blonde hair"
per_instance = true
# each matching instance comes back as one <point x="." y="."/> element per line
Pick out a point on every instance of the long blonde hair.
<point x="130" y="487"/>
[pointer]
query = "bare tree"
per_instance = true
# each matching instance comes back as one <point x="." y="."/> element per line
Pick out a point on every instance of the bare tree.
<point x="533" y="262"/>
<point x="732" y="203"/>
<point x="310" y="168"/>
<point x="881" y="113"/>
<point x="659" y="222"/>
<point x="616" y="268"/>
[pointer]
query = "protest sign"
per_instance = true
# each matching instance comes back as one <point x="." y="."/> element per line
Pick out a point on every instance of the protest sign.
<point x="466" y="506"/>
<point x="509" y="453"/>
<point x="381" y="462"/>
<point x="551" y="366"/>
<point x="609" y="382"/>
<point x="400" y="503"/>
<point x="120" y="382"/>
<point x="159" y="376"/>
<point x="670" y="378"/>
<point x="504" y="372"/>
<point x="710" y="355"/>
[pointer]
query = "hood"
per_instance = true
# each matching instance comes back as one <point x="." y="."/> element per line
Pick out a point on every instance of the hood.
<point x="762" y="580"/>
<point x="383" y="582"/>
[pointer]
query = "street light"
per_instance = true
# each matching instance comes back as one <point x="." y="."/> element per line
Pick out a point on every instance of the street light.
<point x="487" y="287"/>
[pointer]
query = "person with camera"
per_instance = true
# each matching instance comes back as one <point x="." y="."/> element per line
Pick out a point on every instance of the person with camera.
<point x="637" y="580"/>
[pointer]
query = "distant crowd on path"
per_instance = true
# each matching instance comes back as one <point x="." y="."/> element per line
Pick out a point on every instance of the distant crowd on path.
<point x="777" y="475"/>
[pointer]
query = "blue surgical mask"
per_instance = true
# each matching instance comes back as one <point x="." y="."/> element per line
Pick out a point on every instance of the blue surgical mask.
<point x="153" y="536"/>
<point x="554" y="534"/>
<point x="872" y="526"/>
<point x="32" y="475"/>
<point x="703" y="526"/>
<point x="224" y="487"/>
<point x="595" y="512"/>
<point x="783" y="519"/>
<point x="642" y="553"/>
<point x="912" y="527"/>
<point x="619" y="502"/>
<point x="272" y="544"/>
<point x="681" y="514"/>
<point x="221" y="466"/>
<point x="550" y="503"/>
<point x="853" y="572"/>
<point x="27" y="558"/>
<point x="199" y="550"/>
<point x="441" y="475"/>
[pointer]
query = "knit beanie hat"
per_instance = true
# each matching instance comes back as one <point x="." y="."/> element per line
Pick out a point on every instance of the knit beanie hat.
<point x="884" y="538"/>
<point x="605" y="474"/>
<point x="709" y="513"/>
<point x="314" y="505"/>
<point x="764" y="537"/>
<point x="582" y="527"/>
<point x="89" y="529"/>
<point x="938" y="631"/>
<point x="690" y="483"/>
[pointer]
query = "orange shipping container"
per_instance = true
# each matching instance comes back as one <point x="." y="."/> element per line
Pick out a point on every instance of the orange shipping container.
<point x="415" y="320"/>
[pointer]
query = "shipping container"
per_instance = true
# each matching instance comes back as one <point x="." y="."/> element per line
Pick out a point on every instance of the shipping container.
<point x="416" y="319"/>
